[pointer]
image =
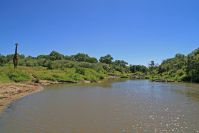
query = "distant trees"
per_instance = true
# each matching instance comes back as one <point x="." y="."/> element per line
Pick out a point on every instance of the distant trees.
<point x="179" y="68"/>
<point x="80" y="57"/>
<point x="152" y="64"/>
<point x="54" y="55"/>
<point x="92" y="60"/>
<point x="43" y="57"/>
<point x="120" y="63"/>
<point x="174" y="64"/>
<point x="138" y="68"/>
<point x="9" y="57"/>
<point x="106" y="59"/>
<point x="152" y="67"/>
<point x="2" y="60"/>
<point x="192" y="66"/>
<point x="83" y="57"/>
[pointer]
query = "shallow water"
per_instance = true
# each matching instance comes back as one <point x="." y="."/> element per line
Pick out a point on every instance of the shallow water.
<point x="133" y="106"/>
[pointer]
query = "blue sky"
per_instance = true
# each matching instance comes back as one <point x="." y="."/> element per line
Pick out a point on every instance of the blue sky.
<point x="134" y="30"/>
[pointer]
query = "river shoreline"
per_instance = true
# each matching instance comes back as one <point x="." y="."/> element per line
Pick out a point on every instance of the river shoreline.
<point x="10" y="92"/>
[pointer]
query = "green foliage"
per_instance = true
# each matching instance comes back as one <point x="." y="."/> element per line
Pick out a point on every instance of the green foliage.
<point x="138" y="75"/>
<point x="80" y="71"/>
<point x="63" y="68"/>
<point x="138" y="68"/>
<point x="81" y="57"/>
<point x="106" y="59"/>
<point x="152" y="64"/>
<point x="18" y="76"/>
<point x="192" y="66"/>
<point x="8" y="74"/>
<point x="120" y="63"/>
<point x="54" y="55"/>
<point x="79" y="67"/>
<point x="179" y="68"/>
<point x="2" y="60"/>
<point x="3" y="75"/>
<point x="92" y="75"/>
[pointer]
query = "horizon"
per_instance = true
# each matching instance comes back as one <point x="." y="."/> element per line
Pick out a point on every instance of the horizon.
<point x="134" y="31"/>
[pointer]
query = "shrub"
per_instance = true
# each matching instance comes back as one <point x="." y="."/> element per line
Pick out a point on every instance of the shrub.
<point x="18" y="76"/>
<point x="80" y="71"/>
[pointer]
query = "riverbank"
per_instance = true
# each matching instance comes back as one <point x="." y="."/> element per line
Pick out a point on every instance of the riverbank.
<point x="10" y="92"/>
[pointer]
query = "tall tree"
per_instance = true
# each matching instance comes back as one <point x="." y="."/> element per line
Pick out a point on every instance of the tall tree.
<point x="152" y="64"/>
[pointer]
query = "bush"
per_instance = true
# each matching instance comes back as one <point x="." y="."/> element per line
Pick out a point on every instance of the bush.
<point x="75" y="77"/>
<point x="18" y="76"/>
<point x="80" y="71"/>
<point x="92" y="75"/>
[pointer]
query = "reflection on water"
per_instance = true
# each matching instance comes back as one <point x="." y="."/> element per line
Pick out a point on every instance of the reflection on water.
<point x="137" y="106"/>
<point x="189" y="89"/>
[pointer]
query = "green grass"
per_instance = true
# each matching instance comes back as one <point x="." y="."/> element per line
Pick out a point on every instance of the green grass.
<point x="22" y="74"/>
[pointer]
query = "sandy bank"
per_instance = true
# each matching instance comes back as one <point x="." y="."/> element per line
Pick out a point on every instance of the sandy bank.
<point x="13" y="91"/>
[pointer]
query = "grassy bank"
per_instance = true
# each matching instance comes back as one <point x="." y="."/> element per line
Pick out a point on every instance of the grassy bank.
<point x="25" y="74"/>
<point x="35" y="74"/>
<point x="56" y="67"/>
<point x="16" y="83"/>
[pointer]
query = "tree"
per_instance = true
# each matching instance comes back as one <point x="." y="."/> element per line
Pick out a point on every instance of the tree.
<point x="66" y="57"/>
<point x="152" y="64"/>
<point x="83" y="57"/>
<point x="92" y="60"/>
<point x="43" y="57"/>
<point x="9" y="57"/>
<point x="138" y="68"/>
<point x="54" y="55"/>
<point x="179" y="56"/>
<point x="80" y="57"/>
<point x="120" y="63"/>
<point x="2" y="60"/>
<point x="192" y="66"/>
<point x="106" y="59"/>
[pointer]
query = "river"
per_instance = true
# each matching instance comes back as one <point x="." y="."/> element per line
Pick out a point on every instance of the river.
<point x="128" y="106"/>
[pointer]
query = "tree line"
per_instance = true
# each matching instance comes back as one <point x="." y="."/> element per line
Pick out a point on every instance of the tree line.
<point x="179" y="68"/>
<point x="56" y="60"/>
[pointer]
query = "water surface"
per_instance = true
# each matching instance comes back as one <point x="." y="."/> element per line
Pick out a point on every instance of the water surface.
<point x="137" y="106"/>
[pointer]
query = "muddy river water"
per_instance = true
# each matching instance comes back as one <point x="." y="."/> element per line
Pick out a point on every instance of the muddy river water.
<point x="129" y="106"/>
